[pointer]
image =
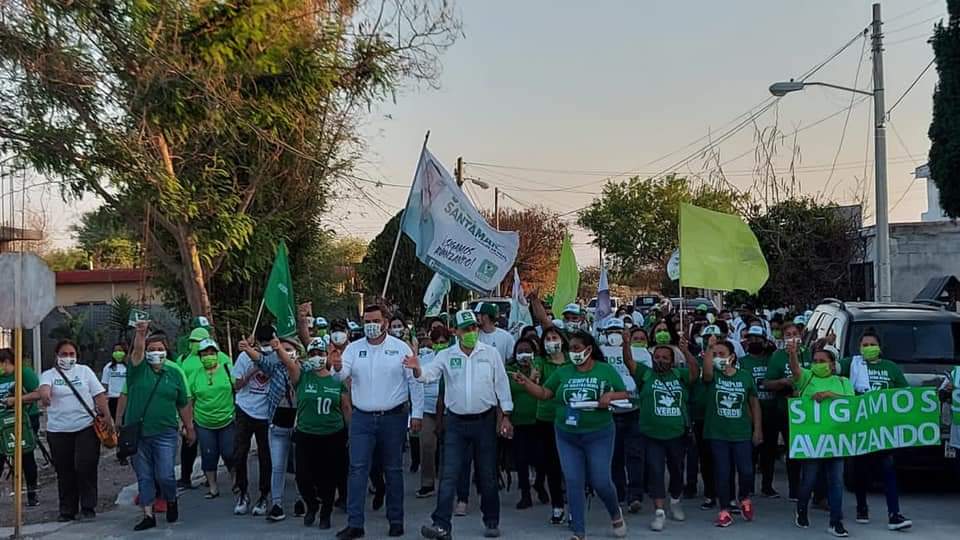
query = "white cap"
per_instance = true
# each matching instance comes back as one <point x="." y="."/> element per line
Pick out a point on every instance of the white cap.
<point x="757" y="331"/>
<point x="613" y="323"/>
<point x="572" y="308"/>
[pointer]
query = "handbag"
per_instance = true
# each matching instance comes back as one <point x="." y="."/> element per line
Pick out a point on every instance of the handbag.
<point x="129" y="437"/>
<point x="105" y="432"/>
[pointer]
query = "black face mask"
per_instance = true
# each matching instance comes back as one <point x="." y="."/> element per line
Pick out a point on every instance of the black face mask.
<point x="755" y="348"/>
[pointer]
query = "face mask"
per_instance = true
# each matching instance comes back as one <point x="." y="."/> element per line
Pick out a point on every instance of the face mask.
<point x="720" y="363"/>
<point x="338" y="338"/>
<point x="266" y="349"/>
<point x="437" y="347"/>
<point x="396" y="332"/>
<point x="314" y="363"/>
<point x="777" y="334"/>
<point x="209" y="361"/>
<point x="578" y="358"/>
<point x="662" y="337"/>
<point x="711" y="318"/>
<point x="615" y="340"/>
<point x="661" y="366"/>
<point x="292" y="354"/>
<point x="755" y="348"/>
<point x="822" y="369"/>
<point x="524" y="358"/>
<point x="322" y="332"/>
<point x="640" y="343"/>
<point x="552" y="347"/>
<point x="699" y="341"/>
<point x="66" y="363"/>
<point x="118" y="356"/>
<point x="156" y="357"/>
<point x="372" y="330"/>
<point x="425" y="351"/>
<point x="871" y="353"/>
<point x="470" y="339"/>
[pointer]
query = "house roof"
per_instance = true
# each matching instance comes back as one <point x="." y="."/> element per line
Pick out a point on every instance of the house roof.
<point x="118" y="275"/>
<point x="935" y="288"/>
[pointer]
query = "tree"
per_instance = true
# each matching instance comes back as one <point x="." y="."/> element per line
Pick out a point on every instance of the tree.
<point x="107" y="239"/>
<point x="60" y="260"/>
<point x="541" y="234"/>
<point x="635" y="222"/>
<point x="944" y="130"/>
<point x="204" y="122"/>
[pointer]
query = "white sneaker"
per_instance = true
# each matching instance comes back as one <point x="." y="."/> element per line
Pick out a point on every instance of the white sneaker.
<point x="619" y="531"/>
<point x="676" y="510"/>
<point x="242" y="506"/>
<point x="460" y="509"/>
<point x="659" y="518"/>
<point x="260" y="509"/>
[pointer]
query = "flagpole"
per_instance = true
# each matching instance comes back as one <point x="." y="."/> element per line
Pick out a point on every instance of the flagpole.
<point x="396" y="242"/>
<point x="256" y="324"/>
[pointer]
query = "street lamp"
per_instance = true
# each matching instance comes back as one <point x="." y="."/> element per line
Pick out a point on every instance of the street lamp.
<point x="883" y="275"/>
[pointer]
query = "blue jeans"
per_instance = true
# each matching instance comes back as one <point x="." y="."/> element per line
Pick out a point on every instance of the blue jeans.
<point x="740" y="455"/>
<point x="156" y="455"/>
<point x="585" y="458"/>
<point x="832" y="470"/>
<point x="629" y="455"/>
<point x="864" y="471"/>
<point x="386" y="432"/>
<point x="214" y="444"/>
<point x="465" y="436"/>
<point x="280" y="438"/>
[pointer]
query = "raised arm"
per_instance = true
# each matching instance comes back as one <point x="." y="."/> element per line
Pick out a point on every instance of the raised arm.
<point x="794" y="355"/>
<point x="139" y="343"/>
<point x="692" y="367"/>
<point x="537" y="310"/>
<point x="708" y="359"/>
<point x="532" y="388"/>
<point x="304" y="321"/>
<point x="628" y="359"/>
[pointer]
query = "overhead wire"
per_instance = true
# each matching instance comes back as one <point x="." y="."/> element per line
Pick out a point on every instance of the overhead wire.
<point x="846" y="120"/>
<point x="909" y="88"/>
<point x="915" y="164"/>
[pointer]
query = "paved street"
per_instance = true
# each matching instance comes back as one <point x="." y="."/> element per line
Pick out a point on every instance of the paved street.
<point x="936" y="516"/>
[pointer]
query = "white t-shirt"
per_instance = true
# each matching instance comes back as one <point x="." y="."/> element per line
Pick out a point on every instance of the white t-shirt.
<point x="501" y="340"/>
<point x="254" y="397"/>
<point x="379" y="382"/>
<point x="113" y="378"/>
<point x="65" y="414"/>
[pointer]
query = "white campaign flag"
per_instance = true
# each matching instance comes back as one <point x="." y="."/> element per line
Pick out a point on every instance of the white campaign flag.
<point x="519" y="309"/>
<point x="452" y="238"/>
<point x="603" y="309"/>
<point x="433" y="297"/>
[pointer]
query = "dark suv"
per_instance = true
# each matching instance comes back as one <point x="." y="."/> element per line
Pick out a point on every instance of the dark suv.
<point x="924" y="340"/>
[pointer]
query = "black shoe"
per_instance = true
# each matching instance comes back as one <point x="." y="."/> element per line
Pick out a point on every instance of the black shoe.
<point x="425" y="492"/>
<point x="525" y="501"/>
<point x="557" y="517"/>
<point x="708" y="504"/>
<point x="348" y="533"/>
<point x="898" y="523"/>
<point x="87" y="515"/>
<point x="863" y="516"/>
<point x="299" y="509"/>
<point x="435" y="533"/>
<point x="801" y="519"/>
<point x="173" y="512"/>
<point x="838" y="530"/>
<point x="309" y="517"/>
<point x="542" y="495"/>
<point x="324" y="522"/>
<point x="770" y="493"/>
<point x="184" y="484"/>
<point x="378" y="500"/>
<point x="148" y="522"/>
<point x="64" y="518"/>
<point x="276" y="513"/>
<point x="395" y="530"/>
<point x="32" y="499"/>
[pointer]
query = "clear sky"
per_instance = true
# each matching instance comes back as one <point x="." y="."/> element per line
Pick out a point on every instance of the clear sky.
<point x="596" y="88"/>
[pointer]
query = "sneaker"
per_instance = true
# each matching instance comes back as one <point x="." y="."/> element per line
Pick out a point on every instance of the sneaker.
<point x="349" y="533"/>
<point x="724" y="519"/>
<point x="676" y="510"/>
<point x="659" y="518"/>
<point x="260" y="509"/>
<point x="242" y="506"/>
<point x="619" y="527"/>
<point x="898" y="523"/>
<point x="838" y="530"/>
<point x="435" y="533"/>
<point x="770" y="493"/>
<point x="734" y="507"/>
<point x="396" y="530"/>
<point x="64" y="518"/>
<point x="89" y="515"/>
<point x="556" y="518"/>
<point x="800" y="518"/>
<point x="863" y="516"/>
<point x="460" y="509"/>
<point x="635" y="507"/>
<point x="708" y="504"/>
<point x="148" y="522"/>
<point x="184" y="484"/>
<point x="324" y="522"/>
<point x="276" y="513"/>
<point x="173" y="512"/>
<point x="746" y="508"/>
<point x="299" y="508"/>
<point x="32" y="499"/>
<point x="425" y="492"/>
<point x="524" y="502"/>
<point x="491" y="532"/>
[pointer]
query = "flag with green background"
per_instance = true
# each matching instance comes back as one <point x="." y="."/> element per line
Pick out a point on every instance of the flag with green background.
<point x="278" y="297"/>
<point x="568" y="278"/>
<point x="719" y="251"/>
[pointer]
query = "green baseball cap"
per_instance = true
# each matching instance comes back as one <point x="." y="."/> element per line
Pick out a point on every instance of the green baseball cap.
<point x="199" y="334"/>
<point x="466" y="319"/>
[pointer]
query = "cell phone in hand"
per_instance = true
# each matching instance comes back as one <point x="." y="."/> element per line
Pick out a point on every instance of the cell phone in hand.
<point x="136" y="316"/>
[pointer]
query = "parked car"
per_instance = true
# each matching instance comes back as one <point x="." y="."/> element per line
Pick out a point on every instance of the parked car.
<point x="690" y="304"/>
<point x="502" y="302"/>
<point x="924" y="340"/>
<point x="645" y="302"/>
<point x="592" y="305"/>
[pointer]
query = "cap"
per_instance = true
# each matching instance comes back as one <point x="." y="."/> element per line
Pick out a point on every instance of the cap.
<point x="832" y="350"/>
<point x="320" y="322"/>
<point x="800" y="320"/>
<point x="200" y="322"/>
<point x="317" y="344"/>
<point x="465" y="318"/>
<point x="487" y="308"/>
<point x="352" y="326"/>
<point x="757" y="331"/>
<point x="293" y="340"/>
<point x="702" y="307"/>
<point x="711" y="330"/>
<point x="209" y="344"/>
<point x="558" y="323"/>
<point x="573" y="309"/>
<point x="199" y="334"/>
<point x="613" y="323"/>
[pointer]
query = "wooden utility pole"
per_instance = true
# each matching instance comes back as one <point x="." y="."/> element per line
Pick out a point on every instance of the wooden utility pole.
<point x="458" y="172"/>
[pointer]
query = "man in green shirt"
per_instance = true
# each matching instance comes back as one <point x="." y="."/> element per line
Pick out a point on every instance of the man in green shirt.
<point x="756" y="363"/>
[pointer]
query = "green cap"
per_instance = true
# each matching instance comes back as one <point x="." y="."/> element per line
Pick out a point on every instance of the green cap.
<point x="200" y="322"/>
<point x="702" y="307"/>
<point x="487" y="308"/>
<point x="199" y="334"/>
<point x="465" y="318"/>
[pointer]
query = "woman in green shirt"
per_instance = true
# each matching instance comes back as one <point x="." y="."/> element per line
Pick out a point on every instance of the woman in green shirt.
<point x="523" y="418"/>
<point x="554" y="345"/>
<point x="320" y="449"/>
<point x="212" y="390"/>
<point x="583" y="427"/>
<point x="732" y="424"/>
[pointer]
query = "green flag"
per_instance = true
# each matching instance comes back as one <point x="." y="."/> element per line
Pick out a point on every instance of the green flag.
<point x="568" y="278"/>
<point x="719" y="251"/>
<point x="279" y="294"/>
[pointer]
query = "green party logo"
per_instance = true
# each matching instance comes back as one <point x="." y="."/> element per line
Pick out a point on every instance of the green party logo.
<point x="456" y="362"/>
<point x="487" y="271"/>
<point x="729" y="404"/>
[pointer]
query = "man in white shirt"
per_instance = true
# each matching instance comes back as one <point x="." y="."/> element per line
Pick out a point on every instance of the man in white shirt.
<point x="475" y="382"/>
<point x="490" y="334"/>
<point x="380" y="387"/>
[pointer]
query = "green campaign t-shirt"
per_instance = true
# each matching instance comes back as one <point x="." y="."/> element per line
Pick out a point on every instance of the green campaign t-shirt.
<point x="727" y="415"/>
<point x="547" y="409"/>
<point x="170" y="396"/>
<point x="30" y="383"/>
<point x="884" y="374"/>
<point x="757" y="367"/>
<point x="663" y="402"/>
<point x="212" y="397"/>
<point x="524" y="404"/>
<point x="810" y="385"/>
<point x="318" y="404"/>
<point x="570" y="385"/>
<point x="779" y="368"/>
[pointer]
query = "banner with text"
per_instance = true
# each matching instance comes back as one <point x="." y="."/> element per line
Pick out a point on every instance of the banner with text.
<point x="853" y="426"/>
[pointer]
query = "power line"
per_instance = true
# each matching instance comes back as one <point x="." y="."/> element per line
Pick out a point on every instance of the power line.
<point x="912" y="11"/>
<point x="915" y="164"/>
<point x="911" y="38"/>
<point x="909" y="88"/>
<point x="846" y="120"/>
<point x="914" y="25"/>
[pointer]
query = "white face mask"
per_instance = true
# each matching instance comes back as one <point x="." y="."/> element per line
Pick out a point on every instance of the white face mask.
<point x="720" y="363"/>
<point x="66" y="363"/>
<point x="266" y="349"/>
<point x="338" y="338"/>
<point x="396" y="332"/>
<point x="552" y="347"/>
<point x="372" y="330"/>
<point x="292" y="353"/>
<point x="156" y="357"/>
<point x="578" y="357"/>
<point x="615" y="340"/>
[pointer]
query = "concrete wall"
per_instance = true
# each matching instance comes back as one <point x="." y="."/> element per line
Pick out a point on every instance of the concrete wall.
<point x="919" y="252"/>
<point x="94" y="293"/>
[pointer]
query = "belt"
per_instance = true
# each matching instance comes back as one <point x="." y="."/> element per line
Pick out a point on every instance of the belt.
<point x="472" y="416"/>
<point x="402" y="408"/>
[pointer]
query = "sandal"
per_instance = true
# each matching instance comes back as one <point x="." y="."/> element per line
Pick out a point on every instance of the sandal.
<point x="211" y="495"/>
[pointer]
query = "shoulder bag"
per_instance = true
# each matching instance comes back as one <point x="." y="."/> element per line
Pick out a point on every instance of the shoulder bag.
<point x="105" y="432"/>
<point x="129" y="438"/>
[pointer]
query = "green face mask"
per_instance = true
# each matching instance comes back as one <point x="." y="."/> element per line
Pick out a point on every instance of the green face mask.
<point x="322" y="332"/>
<point x="871" y="353"/>
<point x="662" y="337"/>
<point x="822" y="369"/>
<point x="437" y="347"/>
<point x="209" y="361"/>
<point x="118" y="356"/>
<point x="777" y="334"/>
<point x="640" y="343"/>
<point x="470" y="339"/>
